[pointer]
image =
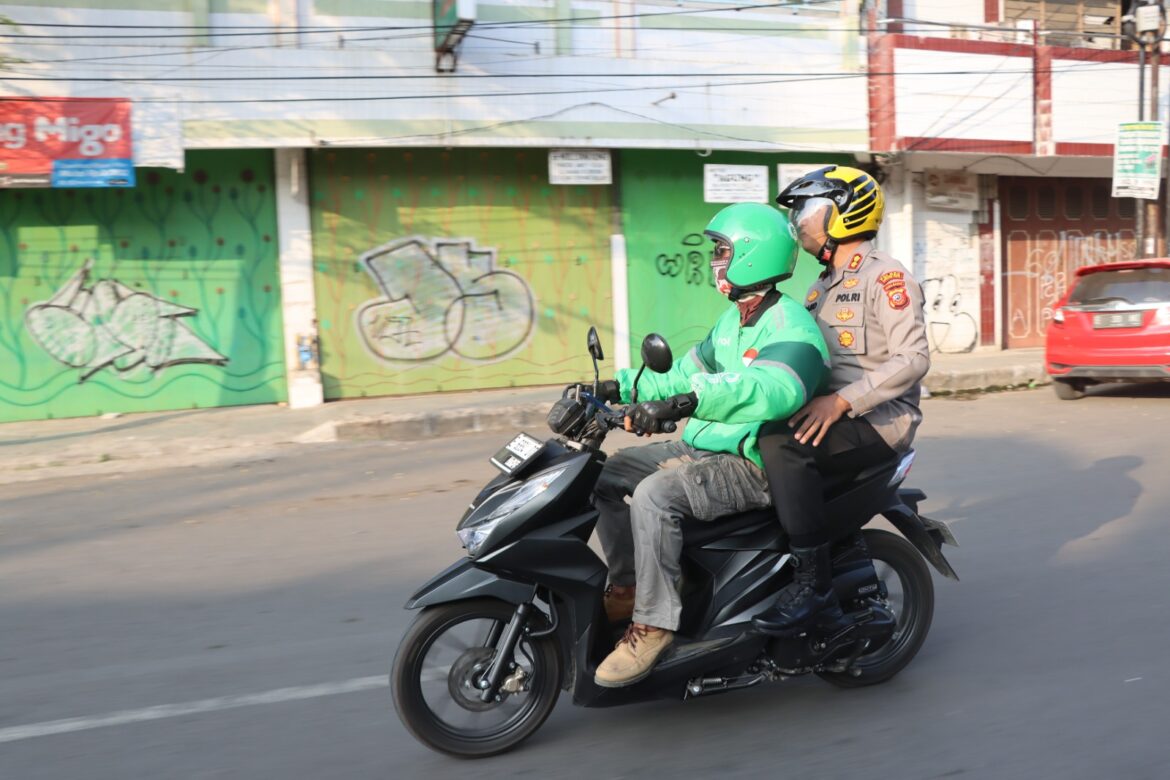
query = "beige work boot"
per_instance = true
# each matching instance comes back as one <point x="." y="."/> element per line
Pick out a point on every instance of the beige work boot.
<point x="619" y="603"/>
<point x="633" y="658"/>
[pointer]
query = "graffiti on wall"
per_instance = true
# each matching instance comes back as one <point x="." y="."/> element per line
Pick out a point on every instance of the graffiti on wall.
<point x="442" y="270"/>
<point x="443" y="296"/>
<point x="111" y="324"/>
<point x="950" y="327"/>
<point x="164" y="296"/>
<point x="688" y="263"/>
<point x="1049" y="262"/>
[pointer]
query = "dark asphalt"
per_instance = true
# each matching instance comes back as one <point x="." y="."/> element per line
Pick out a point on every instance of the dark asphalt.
<point x="165" y="587"/>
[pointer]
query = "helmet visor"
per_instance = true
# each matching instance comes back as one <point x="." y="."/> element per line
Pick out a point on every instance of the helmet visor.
<point x="810" y="218"/>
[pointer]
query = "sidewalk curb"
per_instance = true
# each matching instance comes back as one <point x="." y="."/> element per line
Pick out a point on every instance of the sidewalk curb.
<point x="1007" y="376"/>
<point x="452" y="422"/>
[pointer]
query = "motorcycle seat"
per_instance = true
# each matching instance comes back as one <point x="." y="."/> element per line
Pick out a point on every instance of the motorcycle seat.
<point x="698" y="532"/>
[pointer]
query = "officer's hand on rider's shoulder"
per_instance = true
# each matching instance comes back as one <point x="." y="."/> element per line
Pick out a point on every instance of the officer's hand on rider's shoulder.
<point x="816" y="417"/>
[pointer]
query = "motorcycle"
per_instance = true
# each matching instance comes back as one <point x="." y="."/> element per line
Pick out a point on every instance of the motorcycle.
<point x="506" y="628"/>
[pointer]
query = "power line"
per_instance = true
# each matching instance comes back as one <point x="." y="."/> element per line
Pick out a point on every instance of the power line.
<point x="294" y="31"/>
<point x="796" y="75"/>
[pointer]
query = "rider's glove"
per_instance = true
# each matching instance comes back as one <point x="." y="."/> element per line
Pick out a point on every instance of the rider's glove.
<point x="660" y="416"/>
<point x="608" y="390"/>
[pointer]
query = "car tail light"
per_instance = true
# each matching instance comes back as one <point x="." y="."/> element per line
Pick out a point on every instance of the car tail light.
<point x="1162" y="316"/>
<point x="1058" y="316"/>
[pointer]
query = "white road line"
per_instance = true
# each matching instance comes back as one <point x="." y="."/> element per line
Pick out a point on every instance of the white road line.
<point x="191" y="708"/>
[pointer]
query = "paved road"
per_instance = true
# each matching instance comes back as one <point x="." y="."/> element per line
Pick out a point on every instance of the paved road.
<point x="264" y="600"/>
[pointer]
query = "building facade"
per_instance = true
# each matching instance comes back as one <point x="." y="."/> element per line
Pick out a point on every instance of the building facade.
<point x="324" y="209"/>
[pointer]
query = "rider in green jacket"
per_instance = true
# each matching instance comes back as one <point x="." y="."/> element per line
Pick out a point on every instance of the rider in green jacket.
<point x="763" y="360"/>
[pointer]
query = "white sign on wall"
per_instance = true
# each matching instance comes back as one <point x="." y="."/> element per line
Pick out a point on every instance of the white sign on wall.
<point x="786" y="173"/>
<point x="735" y="183"/>
<point x="952" y="190"/>
<point x="579" y="166"/>
<point x="1137" y="160"/>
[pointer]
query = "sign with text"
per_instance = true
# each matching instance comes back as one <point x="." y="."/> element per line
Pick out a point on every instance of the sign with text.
<point x="579" y="166"/>
<point x="735" y="183"/>
<point x="65" y="142"/>
<point x="1137" y="159"/>
<point x="952" y="190"/>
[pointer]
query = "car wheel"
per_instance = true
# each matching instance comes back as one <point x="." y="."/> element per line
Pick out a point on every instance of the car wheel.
<point x="1067" y="390"/>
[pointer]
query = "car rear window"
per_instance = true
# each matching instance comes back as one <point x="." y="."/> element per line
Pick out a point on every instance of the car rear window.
<point x="1126" y="285"/>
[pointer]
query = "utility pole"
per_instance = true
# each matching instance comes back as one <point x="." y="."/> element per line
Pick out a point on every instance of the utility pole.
<point x="1146" y="27"/>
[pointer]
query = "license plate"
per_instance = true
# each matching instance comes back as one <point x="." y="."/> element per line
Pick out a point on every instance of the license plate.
<point x="1118" y="319"/>
<point x="517" y="453"/>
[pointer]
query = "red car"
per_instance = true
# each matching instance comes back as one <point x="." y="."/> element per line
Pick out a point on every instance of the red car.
<point x="1113" y="325"/>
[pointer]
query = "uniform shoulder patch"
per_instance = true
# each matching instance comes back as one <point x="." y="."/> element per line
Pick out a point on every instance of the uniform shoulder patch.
<point x="897" y="296"/>
<point x="891" y="276"/>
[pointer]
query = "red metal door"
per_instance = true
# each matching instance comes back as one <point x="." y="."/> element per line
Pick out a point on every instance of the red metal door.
<point x="1051" y="227"/>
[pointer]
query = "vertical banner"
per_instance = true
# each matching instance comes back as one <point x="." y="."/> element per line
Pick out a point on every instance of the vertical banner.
<point x="1137" y="160"/>
<point x="65" y="142"/>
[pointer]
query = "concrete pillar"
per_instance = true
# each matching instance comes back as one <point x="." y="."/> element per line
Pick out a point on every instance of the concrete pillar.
<point x="896" y="236"/>
<point x="301" y="357"/>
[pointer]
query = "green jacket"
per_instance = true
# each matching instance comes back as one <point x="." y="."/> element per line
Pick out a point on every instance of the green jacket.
<point x="743" y="376"/>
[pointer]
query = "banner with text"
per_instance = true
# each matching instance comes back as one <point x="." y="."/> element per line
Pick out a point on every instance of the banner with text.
<point x="65" y="142"/>
<point x="1137" y="160"/>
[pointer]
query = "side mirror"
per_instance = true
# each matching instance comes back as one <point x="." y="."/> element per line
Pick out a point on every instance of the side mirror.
<point x="595" y="344"/>
<point x="656" y="354"/>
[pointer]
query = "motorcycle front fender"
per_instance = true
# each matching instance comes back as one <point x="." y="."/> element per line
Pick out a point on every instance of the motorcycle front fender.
<point x="464" y="580"/>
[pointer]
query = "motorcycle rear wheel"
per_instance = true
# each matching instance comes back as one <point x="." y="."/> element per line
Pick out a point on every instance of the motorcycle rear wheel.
<point x="901" y="568"/>
<point x="429" y="696"/>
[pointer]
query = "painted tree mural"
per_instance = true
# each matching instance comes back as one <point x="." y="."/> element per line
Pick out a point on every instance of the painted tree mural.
<point x="161" y="297"/>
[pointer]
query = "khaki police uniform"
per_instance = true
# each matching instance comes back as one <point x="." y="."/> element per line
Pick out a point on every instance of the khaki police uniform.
<point x="871" y="313"/>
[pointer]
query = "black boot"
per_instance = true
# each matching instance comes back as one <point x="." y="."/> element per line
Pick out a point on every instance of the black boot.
<point x="808" y="599"/>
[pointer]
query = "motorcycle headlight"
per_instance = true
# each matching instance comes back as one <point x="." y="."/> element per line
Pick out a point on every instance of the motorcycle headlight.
<point x="477" y="530"/>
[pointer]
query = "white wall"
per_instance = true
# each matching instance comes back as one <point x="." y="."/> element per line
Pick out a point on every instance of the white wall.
<point x="1089" y="99"/>
<point x="957" y="95"/>
<point x="757" y="86"/>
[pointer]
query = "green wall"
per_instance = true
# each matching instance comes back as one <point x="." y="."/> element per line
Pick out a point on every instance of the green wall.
<point x="454" y="269"/>
<point x="164" y="296"/>
<point x="663" y="215"/>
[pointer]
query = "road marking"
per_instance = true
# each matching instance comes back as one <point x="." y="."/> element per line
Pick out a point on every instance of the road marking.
<point x="191" y="708"/>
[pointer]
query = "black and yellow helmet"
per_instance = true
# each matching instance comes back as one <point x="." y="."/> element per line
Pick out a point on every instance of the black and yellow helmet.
<point x="858" y="203"/>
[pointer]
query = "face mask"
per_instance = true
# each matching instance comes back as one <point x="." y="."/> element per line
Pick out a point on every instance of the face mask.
<point x="720" y="259"/>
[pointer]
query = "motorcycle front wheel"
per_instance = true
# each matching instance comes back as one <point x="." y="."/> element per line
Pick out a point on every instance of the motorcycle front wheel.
<point x="438" y="667"/>
<point x="910" y="597"/>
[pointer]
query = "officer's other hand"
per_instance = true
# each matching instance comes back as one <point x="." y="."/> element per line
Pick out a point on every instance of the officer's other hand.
<point x="816" y="417"/>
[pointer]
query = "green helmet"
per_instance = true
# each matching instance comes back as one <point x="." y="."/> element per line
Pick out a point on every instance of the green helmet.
<point x="762" y="241"/>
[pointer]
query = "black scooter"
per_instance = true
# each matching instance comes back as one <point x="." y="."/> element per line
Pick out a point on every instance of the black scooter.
<point x="506" y="628"/>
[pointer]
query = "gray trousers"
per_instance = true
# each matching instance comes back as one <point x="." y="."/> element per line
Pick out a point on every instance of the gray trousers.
<point x="666" y="481"/>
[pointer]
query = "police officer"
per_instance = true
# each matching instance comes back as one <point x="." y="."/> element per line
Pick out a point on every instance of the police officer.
<point x="870" y="310"/>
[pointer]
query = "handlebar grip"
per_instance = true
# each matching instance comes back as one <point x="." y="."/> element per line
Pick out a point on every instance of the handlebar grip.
<point x="670" y="426"/>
